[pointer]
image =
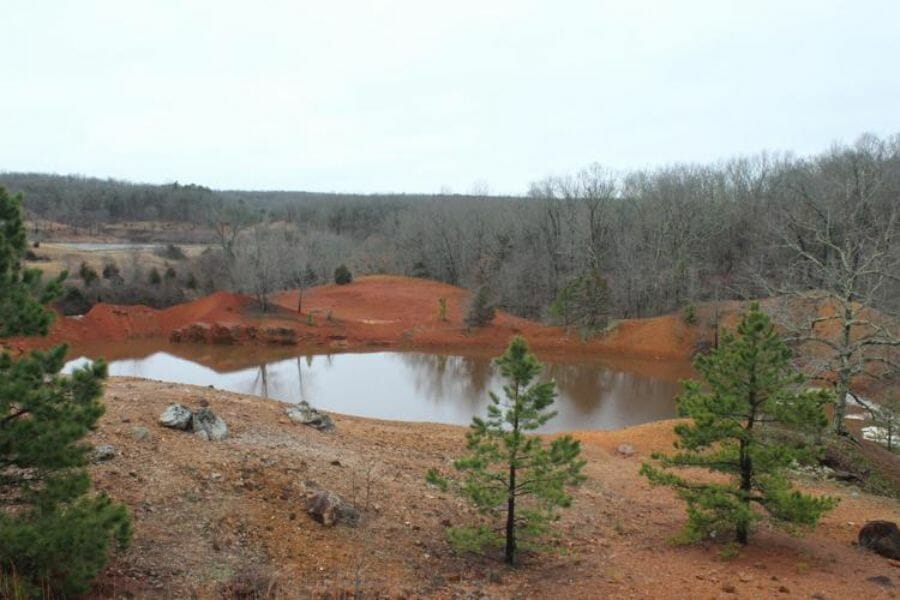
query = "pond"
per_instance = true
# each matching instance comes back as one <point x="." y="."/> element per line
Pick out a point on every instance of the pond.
<point x="410" y="386"/>
<point x="103" y="246"/>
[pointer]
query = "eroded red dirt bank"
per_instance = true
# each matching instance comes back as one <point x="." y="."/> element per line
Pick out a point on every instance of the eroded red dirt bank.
<point x="375" y="311"/>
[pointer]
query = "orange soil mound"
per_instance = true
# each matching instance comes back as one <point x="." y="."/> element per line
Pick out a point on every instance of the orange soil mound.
<point x="394" y="310"/>
<point x="375" y="311"/>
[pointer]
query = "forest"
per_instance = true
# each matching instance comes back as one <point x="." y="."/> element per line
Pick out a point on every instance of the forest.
<point x="637" y="243"/>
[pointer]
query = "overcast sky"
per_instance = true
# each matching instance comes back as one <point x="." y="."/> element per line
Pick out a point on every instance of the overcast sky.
<point x="419" y="95"/>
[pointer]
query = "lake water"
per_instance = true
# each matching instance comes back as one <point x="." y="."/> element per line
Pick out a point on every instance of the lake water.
<point x="411" y="386"/>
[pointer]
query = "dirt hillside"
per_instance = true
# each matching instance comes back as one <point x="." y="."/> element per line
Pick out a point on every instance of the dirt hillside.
<point x="228" y="519"/>
<point x="371" y="312"/>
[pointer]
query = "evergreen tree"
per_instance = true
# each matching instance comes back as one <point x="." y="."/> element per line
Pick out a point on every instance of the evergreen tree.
<point x="342" y="275"/>
<point x="481" y="308"/>
<point x="508" y="473"/>
<point x="583" y="302"/>
<point x="750" y="389"/>
<point x="54" y="535"/>
<point x="22" y="293"/>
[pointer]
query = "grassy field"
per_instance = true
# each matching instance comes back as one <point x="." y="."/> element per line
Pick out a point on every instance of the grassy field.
<point x="56" y="257"/>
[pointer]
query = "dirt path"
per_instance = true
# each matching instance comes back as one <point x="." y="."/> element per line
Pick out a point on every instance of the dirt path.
<point x="211" y="518"/>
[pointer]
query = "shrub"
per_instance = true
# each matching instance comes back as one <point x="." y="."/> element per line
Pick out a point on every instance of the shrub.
<point x="309" y="276"/>
<point x="154" y="278"/>
<point x="420" y="270"/>
<point x="73" y="302"/>
<point x="342" y="275"/>
<point x="690" y="314"/>
<point x="88" y="274"/>
<point x="111" y="271"/>
<point x="171" y="252"/>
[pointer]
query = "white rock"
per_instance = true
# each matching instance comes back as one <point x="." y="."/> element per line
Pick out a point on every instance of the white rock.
<point x="176" y="416"/>
<point x="206" y="422"/>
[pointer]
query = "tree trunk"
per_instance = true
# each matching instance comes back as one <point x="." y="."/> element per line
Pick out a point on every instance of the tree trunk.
<point x="511" y="517"/>
<point x="746" y="463"/>
<point x="510" y="555"/>
<point x="746" y="487"/>
<point x="842" y="388"/>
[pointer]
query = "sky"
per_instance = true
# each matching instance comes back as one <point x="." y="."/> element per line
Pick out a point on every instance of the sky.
<point x="423" y="96"/>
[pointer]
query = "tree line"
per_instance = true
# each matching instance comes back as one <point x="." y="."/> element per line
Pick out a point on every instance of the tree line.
<point x="646" y="242"/>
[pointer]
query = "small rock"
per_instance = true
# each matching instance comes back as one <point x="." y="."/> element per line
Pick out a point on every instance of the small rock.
<point x="206" y="422"/>
<point x="139" y="433"/>
<point x="729" y="588"/>
<point x="307" y="415"/>
<point x="176" y="416"/>
<point x="104" y="453"/>
<point x="882" y="537"/>
<point x="329" y="509"/>
<point x="625" y="450"/>
<point x="882" y="580"/>
<point x="818" y="596"/>
<point x="784" y="589"/>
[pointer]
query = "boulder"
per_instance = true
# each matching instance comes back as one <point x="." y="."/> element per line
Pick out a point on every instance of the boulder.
<point x="176" y="416"/>
<point x="329" y="509"/>
<point x="103" y="453"/>
<point x="307" y="415"/>
<point x="625" y="450"/>
<point x="882" y="537"/>
<point x="208" y="425"/>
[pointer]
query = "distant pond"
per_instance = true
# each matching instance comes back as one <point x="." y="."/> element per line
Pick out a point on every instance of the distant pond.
<point x="409" y="386"/>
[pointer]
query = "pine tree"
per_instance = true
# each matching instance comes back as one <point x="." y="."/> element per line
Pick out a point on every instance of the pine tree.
<point x="750" y="389"/>
<point x="507" y="473"/>
<point x="54" y="534"/>
<point x="342" y="275"/>
<point x="584" y="302"/>
<point x="481" y="309"/>
<point x="22" y="293"/>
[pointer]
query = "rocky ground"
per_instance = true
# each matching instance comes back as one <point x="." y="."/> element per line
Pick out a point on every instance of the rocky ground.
<point x="229" y="518"/>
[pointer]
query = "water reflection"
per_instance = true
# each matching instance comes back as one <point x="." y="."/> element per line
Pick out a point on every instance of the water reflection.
<point x="413" y="386"/>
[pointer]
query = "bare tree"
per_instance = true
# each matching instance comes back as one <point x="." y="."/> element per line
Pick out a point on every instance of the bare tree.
<point x="840" y="229"/>
<point x="259" y="263"/>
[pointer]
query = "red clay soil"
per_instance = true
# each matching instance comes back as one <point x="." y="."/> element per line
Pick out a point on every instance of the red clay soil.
<point x="374" y="311"/>
<point x="228" y="519"/>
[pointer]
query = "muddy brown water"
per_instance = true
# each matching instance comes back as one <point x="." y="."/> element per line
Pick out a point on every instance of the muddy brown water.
<point x="594" y="392"/>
